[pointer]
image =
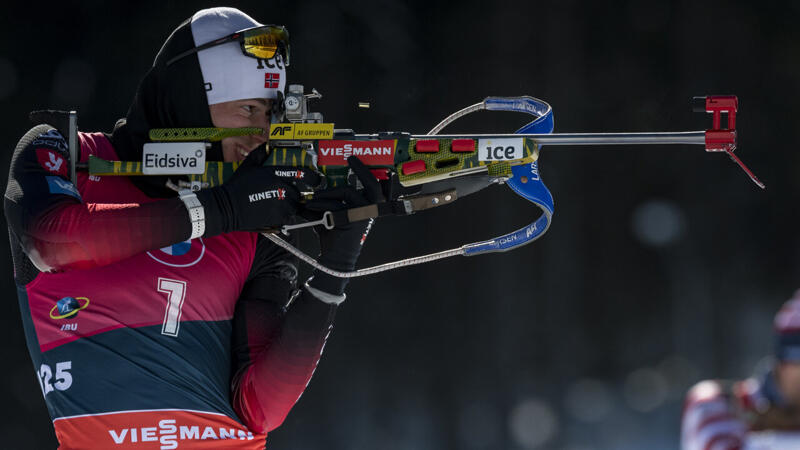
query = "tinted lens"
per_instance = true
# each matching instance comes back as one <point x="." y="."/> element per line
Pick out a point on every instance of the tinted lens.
<point x="263" y="43"/>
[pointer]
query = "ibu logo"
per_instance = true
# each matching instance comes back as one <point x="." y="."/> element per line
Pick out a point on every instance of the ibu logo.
<point x="68" y="307"/>
<point x="181" y="254"/>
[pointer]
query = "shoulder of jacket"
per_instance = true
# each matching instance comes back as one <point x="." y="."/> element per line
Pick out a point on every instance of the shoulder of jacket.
<point x="44" y="136"/>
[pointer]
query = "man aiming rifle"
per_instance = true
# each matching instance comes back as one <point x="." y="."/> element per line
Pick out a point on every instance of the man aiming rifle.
<point x="155" y="316"/>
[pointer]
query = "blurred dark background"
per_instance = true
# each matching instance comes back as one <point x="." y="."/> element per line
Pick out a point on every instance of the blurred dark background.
<point x="664" y="264"/>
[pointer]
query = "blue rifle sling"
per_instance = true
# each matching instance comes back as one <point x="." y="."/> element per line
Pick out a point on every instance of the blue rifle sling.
<point x="532" y="188"/>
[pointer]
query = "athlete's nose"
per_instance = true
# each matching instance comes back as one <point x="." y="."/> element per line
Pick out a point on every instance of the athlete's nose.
<point x="263" y="123"/>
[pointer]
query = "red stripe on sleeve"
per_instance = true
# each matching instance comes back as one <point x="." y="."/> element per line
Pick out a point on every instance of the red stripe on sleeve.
<point x="79" y="236"/>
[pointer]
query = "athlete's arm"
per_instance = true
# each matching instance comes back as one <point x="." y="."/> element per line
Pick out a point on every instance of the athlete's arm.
<point x="709" y="421"/>
<point x="276" y="345"/>
<point x="58" y="231"/>
<point x="279" y="347"/>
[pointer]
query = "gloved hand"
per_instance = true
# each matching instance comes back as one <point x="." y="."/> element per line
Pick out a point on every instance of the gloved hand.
<point x="253" y="199"/>
<point x="341" y="246"/>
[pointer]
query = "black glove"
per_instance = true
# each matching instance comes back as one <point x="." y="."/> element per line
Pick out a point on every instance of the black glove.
<point x="340" y="247"/>
<point x="253" y="199"/>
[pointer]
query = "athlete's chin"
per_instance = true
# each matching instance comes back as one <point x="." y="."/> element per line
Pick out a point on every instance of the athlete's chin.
<point x="234" y="153"/>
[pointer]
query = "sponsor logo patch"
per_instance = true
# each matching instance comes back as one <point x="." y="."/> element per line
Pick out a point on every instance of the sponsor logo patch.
<point x="535" y="171"/>
<point x="533" y="228"/>
<point x="182" y="254"/>
<point x="169" y="433"/>
<point x="500" y="149"/>
<point x="52" y="162"/>
<point x="174" y="158"/>
<point x="68" y="307"/>
<point x="281" y="131"/>
<point x="52" y="139"/>
<point x="274" y="63"/>
<point x="278" y="194"/>
<point x="290" y="173"/>
<point x="313" y="131"/>
<point x="374" y="153"/>
<point x="57" y="185"/>
<point x="301" y="131"/>
<point x="154" y="429"/>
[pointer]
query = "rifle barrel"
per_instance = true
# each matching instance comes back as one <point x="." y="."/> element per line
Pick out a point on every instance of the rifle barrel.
<point x="674" y="137"/>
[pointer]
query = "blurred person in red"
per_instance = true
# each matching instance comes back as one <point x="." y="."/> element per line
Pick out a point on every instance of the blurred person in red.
<point x="761" y="412"/>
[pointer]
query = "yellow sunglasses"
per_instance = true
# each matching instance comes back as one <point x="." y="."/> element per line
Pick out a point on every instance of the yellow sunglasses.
<point x="261" y="42"/>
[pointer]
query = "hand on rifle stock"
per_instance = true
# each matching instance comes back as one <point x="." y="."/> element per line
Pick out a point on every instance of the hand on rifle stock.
<point x="341" y="246"/>
<point x="253" y="199"/>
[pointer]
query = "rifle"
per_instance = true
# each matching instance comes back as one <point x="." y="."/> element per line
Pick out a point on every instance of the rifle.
<point x="420" y="172"/>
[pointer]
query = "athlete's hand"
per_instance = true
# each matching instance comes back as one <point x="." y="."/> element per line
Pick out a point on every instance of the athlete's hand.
<point x="341" y="246"/>
<point x="253" y="199"/>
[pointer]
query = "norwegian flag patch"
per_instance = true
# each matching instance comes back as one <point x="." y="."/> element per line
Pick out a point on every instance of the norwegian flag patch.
<point x="272" y="80"/>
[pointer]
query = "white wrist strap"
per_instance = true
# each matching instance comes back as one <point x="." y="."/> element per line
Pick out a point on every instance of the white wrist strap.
<point x="196" y="212"/>
<point x="325" y="297"/>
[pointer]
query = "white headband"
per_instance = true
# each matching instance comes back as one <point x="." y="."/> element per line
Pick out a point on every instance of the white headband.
<point x="227" y="73"/>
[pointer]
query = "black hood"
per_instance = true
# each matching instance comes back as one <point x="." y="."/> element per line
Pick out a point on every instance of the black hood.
<point x="167" y="97"/>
